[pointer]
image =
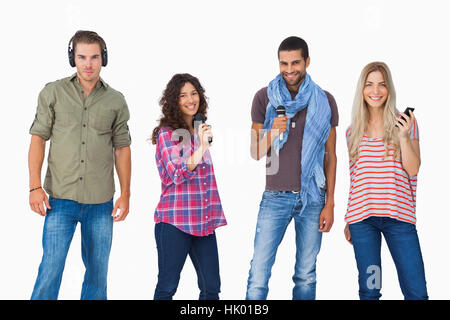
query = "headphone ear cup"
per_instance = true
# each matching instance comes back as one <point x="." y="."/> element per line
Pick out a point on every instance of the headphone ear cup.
<point x="71" y="57"/>
<point x="104" y="57"/>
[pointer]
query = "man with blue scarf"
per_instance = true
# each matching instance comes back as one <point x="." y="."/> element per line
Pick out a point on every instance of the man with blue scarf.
<point x="301" y="169"/>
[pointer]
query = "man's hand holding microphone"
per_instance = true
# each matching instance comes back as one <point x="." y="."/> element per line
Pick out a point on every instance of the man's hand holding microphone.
<point x="279" y="125"/>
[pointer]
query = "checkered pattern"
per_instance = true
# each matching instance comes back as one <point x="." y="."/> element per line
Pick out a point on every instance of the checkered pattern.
<point x="189" y="199"/>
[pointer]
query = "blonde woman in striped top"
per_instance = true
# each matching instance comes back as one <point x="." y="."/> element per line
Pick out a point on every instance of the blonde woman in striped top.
<point x="384" y="161"/>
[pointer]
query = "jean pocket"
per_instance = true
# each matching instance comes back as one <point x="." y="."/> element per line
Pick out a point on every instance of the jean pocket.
<point x="53" y="200"/>
<point x="271" y="194"/>
<point x="273" y="199"/>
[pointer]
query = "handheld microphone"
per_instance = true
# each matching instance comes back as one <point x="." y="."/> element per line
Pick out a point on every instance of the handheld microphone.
<point x="281" y="112"/>
<point x="199" y="117"/>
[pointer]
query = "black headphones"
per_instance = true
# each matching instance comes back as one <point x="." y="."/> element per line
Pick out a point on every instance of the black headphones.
<point x="72" y="55"/>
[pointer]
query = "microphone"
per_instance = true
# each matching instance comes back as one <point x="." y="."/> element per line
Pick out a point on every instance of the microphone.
<point x="281" y="112"/>
<point x="199" y="117"/>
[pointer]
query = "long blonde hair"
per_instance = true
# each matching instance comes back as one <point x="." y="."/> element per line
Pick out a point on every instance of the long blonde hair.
<point x="360" y="112"/>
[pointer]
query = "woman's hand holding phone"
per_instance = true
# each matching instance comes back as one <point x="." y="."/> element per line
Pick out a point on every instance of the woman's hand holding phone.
<point x="404" y="123"/>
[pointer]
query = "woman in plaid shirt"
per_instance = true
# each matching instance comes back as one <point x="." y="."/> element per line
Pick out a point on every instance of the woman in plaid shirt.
<point x="189" y="209"/>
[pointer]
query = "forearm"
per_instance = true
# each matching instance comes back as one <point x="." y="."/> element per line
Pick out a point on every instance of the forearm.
<point x="35" y="159"/>
<point x="195" y="158"/>
<point x="123" y="168"/>
<point x="260" y="146"/>
<point x="410" y="158"/>
<point x="330" y="164"/>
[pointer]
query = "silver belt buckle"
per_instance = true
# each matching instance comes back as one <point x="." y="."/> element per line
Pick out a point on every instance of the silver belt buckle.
<point x="296" y="192"/>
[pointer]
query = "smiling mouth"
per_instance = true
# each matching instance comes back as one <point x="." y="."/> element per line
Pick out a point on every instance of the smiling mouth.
<point x="190" y="107"/>
<point x="375" y="98"/>
<point x="290" y="76"/>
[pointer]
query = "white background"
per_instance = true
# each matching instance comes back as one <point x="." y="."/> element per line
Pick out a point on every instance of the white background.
<point x="231" y="47"/>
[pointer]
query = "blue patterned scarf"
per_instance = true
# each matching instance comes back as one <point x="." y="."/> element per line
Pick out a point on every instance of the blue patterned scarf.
<point x="317" y="129"/>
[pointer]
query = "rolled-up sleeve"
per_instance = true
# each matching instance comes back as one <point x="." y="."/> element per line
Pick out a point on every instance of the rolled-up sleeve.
<point x="45" y="116"/>
<point x="121" y="134"/>
<point x="173" y="163"/>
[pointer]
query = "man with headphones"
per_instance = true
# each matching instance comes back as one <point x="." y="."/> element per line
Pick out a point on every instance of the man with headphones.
<point x="86" y="122"/>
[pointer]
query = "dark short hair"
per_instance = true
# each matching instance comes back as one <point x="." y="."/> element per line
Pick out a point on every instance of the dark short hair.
<point x="294" y="43"/>
<point x="84" y="36"/>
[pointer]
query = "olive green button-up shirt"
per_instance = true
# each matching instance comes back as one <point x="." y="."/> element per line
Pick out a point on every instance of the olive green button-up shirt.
<point x="83" y="133"/>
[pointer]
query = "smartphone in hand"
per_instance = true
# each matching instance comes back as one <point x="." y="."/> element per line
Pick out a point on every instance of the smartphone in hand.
<point x="407" y="113"/>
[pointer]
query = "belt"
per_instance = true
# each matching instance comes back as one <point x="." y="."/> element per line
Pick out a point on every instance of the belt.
<point x="295" y="192"/>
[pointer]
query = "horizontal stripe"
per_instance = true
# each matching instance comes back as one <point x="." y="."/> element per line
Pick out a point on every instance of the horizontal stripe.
<point x="380" y="209"/>
<point x="381" y="162"/>
<point x="372" y="150"/>
<point x="380" y="172"/>
<point x="381" y="194"/>
<point x="366" y="201"/>
<point x="390" y="181"/>
<point x="354" y="186"/>
<point x="379" y="183"/>
<point x="375" y="188"/>
<point x="372" y="205"/>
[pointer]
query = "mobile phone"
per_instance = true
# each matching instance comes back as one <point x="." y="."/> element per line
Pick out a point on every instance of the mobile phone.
<point x="407" y="112"/>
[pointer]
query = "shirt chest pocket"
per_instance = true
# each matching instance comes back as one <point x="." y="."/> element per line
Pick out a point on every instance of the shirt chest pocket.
<point x="64" y="118"/>
<point x="102" y="120"/>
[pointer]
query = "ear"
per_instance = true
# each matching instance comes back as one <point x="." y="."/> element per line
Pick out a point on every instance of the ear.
<point x="307" y="62"/>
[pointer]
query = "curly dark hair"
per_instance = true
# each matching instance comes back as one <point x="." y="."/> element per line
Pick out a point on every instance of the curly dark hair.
<point x="172" y="116"/>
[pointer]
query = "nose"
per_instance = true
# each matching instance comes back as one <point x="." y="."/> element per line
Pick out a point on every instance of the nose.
<point x="376" y="89"/>
<point x="289" y="68"/>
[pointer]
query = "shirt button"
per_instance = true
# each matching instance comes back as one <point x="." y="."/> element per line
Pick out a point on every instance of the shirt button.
<point x="81" y="178"/>
<point x="206" y="217"/>
<point x="84" y="125"/>
<point x="83" y="142"/>
<point x="204" y="183"/>
<point x="206" y="200"/>
<point x="85" y="108"/>
<point x="82" y="161"/>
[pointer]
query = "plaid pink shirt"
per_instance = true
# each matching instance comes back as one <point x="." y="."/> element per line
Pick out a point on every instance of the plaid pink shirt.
<point x="189" y="199"/>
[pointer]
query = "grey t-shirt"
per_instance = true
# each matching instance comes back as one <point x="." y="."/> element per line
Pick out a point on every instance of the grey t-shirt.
<point x="287" y="178"/>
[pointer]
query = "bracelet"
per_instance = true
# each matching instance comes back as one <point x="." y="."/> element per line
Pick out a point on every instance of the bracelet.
<point x="35" y="189"/>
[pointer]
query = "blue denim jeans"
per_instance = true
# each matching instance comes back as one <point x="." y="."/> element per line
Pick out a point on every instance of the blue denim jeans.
<point x="173" y="247"/>
<point x="276" y="211"/>
<point x="403" y="243"/>
<point x="96" y="238"/>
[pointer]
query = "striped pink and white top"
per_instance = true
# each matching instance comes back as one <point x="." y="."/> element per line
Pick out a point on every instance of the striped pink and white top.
<point x="379" y="185"/>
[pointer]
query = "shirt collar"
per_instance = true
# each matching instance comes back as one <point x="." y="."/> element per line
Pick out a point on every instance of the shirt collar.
<point x="101" y="82"/>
